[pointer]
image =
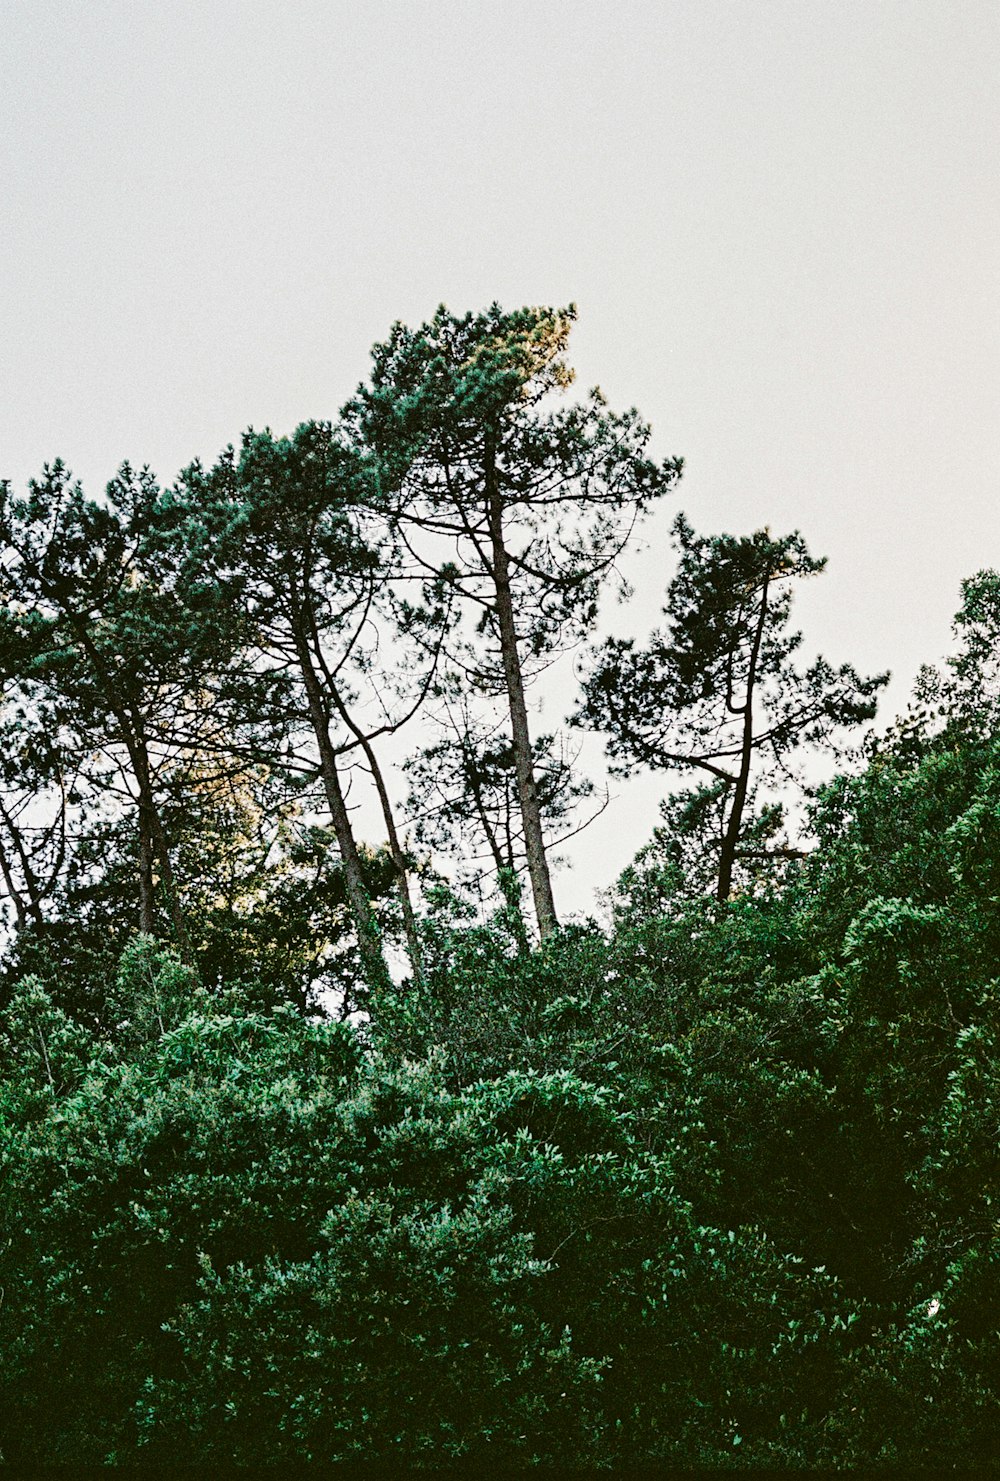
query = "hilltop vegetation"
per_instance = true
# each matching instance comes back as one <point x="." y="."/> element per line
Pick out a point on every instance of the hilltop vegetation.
<point x="314" y="1148"/>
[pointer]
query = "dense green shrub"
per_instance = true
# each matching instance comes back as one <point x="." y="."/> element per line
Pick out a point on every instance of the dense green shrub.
<point x="716" y="1187"/>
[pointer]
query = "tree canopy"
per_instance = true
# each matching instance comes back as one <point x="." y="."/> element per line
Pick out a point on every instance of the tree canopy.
<point x="719" y="689"/>
<point x="317" y="1143"/>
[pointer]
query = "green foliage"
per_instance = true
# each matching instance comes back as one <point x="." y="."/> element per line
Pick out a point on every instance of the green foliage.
<point x="717" y="1187"/>
<point x="718" y="692"/>
<point x="248" y="1242"/>
<point x="712" y="1184"/>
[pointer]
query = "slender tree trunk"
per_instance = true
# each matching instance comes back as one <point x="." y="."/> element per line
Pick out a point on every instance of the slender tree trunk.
<point x="162" y="852"/>
<point x="147" y="918"/>
<point x="499" y="862"/>
<point x="395" y="848"/>
<point x="155" y="841"/>
<point x="23" y="907"/>
<point x="398" y="861"/>
<point x="531" y="816"/>
<point x="507" y="880"/>
<point x="369" y="942"/>
<point x="13" y="893"/>
<point x="731" y="838"/>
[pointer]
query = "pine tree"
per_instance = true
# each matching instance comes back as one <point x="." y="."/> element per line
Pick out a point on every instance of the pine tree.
<point x="718" y="689"/>
<point x="92" y="631"/>
<point x="282" y="533"/>
<point x="519" y="507"/>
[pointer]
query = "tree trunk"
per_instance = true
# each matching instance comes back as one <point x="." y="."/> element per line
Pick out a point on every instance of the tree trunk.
<point x="13" y="893"/>
<point x="395" y="849"/>
<point x="147" y="918"/>
<point x="22" y="907"/>
<point x="731" y="838"/>
<point x="155" y="841"/>
<point x="534" y="842"/>
<point x="369" y="942"/>
<point x="162" y="853"/>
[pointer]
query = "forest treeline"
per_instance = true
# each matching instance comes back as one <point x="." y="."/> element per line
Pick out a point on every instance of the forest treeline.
<point x="319" y="1146"/>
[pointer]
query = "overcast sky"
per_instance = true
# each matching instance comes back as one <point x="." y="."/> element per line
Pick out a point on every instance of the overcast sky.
<point x="778" y="219"/>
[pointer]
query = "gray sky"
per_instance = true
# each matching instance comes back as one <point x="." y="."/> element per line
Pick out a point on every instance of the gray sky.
<point x="778" y="218"/>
